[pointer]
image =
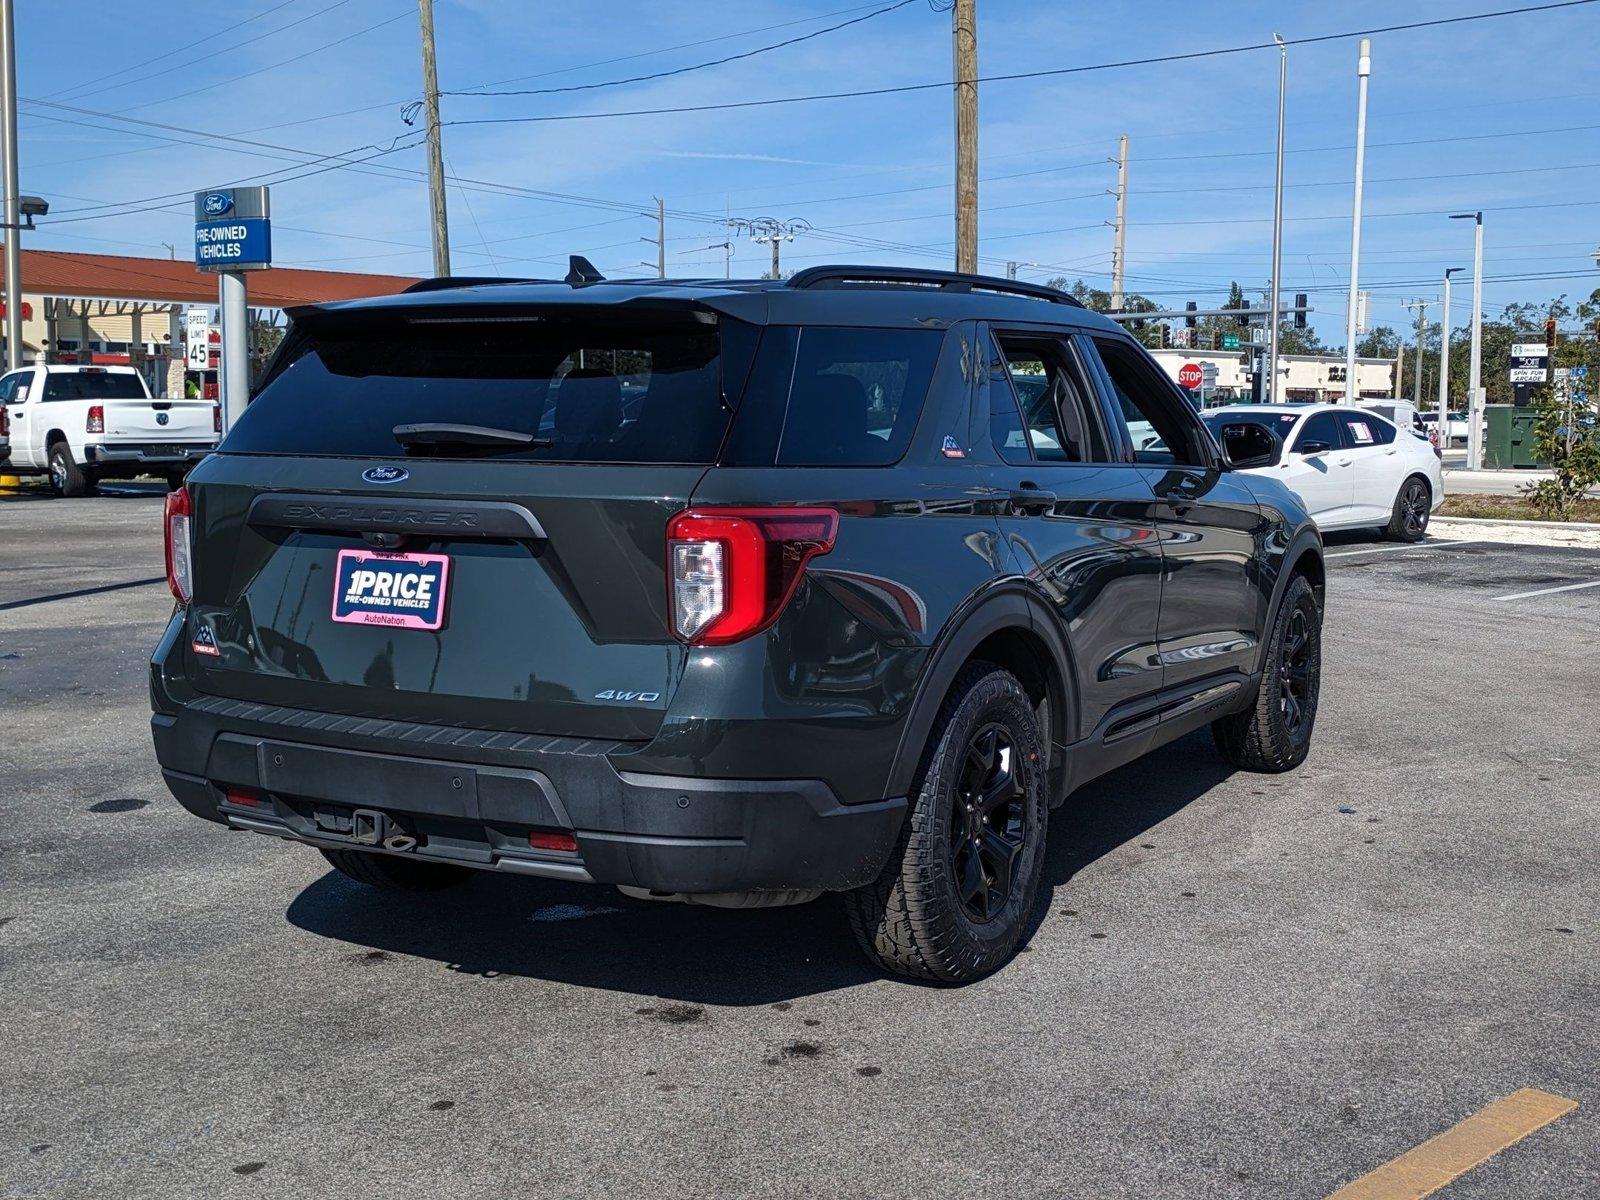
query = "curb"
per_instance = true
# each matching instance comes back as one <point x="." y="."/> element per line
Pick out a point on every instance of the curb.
<point x="1492" y="522"/>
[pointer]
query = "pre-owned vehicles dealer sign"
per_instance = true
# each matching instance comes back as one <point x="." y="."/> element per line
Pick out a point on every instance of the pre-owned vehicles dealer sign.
<point x="232" y="229"/>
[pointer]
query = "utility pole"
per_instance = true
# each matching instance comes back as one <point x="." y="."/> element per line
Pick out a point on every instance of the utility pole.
<point x="1363" y="71"/>
<point x="1422" y="314"/>
<point x="1277" y="229"/>
<point x="430" y="104"/>
<point x="13" y="199"/>
<point x="661" y="238"/>
<point x="1119" y="246"/>
<point x="964" y="29"/>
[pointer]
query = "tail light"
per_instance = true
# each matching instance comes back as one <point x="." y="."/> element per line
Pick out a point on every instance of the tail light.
<point x="732" y="570"/>
<point x="5" y="421"/>
<point x="97" y="419"/>
<point x="216" y="418"/>
<point x="180" y="562"/>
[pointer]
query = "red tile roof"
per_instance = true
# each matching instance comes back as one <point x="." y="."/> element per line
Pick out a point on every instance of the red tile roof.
<point x="119" y="277"/>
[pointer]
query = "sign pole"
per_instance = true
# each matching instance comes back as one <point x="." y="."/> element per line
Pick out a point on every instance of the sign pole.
<point x="233" y="305"/>
<point x="232" y="235"/>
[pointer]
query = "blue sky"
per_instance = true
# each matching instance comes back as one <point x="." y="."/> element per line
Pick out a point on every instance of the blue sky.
<point x="1456" y="119"/>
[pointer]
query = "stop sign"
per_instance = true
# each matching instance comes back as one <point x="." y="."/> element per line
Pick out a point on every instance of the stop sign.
<point x="1189" y="375"/>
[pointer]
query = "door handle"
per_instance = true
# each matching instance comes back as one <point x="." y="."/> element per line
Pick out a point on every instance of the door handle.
<point x="1344" y="462"/>
<point x="1033" y="500"/>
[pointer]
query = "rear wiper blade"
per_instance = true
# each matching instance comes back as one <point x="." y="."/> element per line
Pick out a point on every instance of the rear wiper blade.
<point x="445" y="433"/>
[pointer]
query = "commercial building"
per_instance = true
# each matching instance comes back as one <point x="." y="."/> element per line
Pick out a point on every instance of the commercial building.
<point x="115" y="309"/>
<point x="1303" y="378"/>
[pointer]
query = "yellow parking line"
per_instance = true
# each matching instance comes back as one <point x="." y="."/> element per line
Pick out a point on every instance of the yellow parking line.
<point x="1427" y="1168"/>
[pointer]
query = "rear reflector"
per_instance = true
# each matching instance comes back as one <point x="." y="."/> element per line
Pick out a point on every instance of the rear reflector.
<point x="97" y="419"/>
<point x="549" y="839"/>
<point x="241" y="797"/>
<point x="732" y="570"/>
<point x="180" y="567"/>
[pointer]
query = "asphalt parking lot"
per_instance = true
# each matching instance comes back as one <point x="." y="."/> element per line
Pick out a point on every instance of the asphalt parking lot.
<point x="1239" y="986"/>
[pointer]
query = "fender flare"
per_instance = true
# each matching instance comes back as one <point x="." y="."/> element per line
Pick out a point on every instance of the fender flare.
<point x="1306" y="541"/>
<point x="1007" y="606"/>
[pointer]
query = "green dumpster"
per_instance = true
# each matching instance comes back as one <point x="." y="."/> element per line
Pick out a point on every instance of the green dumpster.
<point x="1509" y="439"/>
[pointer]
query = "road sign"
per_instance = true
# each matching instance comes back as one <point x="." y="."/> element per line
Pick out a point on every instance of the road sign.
<point x="232" y="229"/>
<point x="1208" y="372"/>
<point x="1529" y="350"/>
<point x="1580" y="372"/>
<point x="1190" y="375"/>
<point x="1230" y="341"/>
<point x="197" y="339"/>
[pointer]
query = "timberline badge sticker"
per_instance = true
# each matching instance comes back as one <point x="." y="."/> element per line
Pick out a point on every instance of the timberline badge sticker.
<point x="205" y="642"/>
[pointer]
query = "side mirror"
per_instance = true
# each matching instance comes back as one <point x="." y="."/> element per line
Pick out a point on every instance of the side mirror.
<point x="1248" y="445"/>
<point x="1310" y="448"/>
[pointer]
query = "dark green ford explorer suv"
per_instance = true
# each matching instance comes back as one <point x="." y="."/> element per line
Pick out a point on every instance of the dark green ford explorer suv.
<point x="723" y="592"/>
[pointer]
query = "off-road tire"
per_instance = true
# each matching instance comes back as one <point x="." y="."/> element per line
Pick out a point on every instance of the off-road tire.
<point x="1413" y="504"/>
<point x="394" y="874"/>
<point x="912" y="919"/>
<point x="67" y="478"/>
<point x="1262" y="737"/>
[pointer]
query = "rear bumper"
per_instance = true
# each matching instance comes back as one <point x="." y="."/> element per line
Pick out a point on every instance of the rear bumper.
<point x="143" y="453"/>
<point x="472" y="797"/>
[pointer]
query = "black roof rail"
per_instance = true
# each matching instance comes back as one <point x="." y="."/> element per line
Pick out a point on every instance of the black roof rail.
<point x="443" y="282"/>
<point x="945" y="281"/>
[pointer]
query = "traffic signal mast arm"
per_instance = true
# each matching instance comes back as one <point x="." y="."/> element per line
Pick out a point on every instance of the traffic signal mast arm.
<point x="1172" y="314"/>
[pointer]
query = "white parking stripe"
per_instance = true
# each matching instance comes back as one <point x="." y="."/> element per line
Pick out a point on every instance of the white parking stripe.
<point x="1565" y="587"/>
<point x="1391" y="549"/>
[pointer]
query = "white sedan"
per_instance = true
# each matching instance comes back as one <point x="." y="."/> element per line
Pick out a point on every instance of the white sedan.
<point x="1350" y="468"/>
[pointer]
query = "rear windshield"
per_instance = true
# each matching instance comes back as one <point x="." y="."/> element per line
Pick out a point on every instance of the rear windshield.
<point x="91" y="385"/>
<point x="590" y="387"/>
<point x="1279" y="423"/>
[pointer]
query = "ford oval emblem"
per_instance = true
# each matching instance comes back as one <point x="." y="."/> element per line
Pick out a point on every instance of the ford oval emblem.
<point x="162" y="418"/>
<point x="385" y="474"/>
<point x="217" y="204"/>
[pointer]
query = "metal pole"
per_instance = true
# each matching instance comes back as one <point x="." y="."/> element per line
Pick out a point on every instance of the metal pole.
<point x="1277" y="229"/>
<point x="964" y="32"/>
<point x="661" y="238"/>
<point x="1363" y="70"/>
<point x="1120" y="245"/>
<point x="775" y="240"/>
<point x="13" y="203"/>
<point x="1422" y="328"/>
<point x="235" y="373"/>
<point x="1444" y="364"/>
<point x="1011" y="269"/>
<point x="1475" y="361"/>
<point x="430" y="103"/>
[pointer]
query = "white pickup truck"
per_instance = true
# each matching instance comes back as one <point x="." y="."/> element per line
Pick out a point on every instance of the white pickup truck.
<point x="85" y="424"/>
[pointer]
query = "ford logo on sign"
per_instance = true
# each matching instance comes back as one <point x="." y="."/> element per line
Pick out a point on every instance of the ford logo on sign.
<point x="217" y="204"/>
<point x="385" y="474"/>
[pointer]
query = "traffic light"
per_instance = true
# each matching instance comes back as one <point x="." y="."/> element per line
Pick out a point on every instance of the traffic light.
<point x="1165" y="336"/>
<point x="1299" y="310"/>
<point x="1189" y="321"/>
<point x="1550" y="334"/>
<point x="1244" y="317"/>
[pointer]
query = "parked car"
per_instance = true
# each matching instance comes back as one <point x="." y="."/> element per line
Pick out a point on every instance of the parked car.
<point x="84" y="424"/>
<point x="840" y="608"/>
<point x="1350" y="467"/>
<point x="1402" y="414"/>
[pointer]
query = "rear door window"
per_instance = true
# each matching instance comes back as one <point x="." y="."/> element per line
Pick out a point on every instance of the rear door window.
<point x="590" y="387"/>
<point x="1038" y="406"/>
<point x="856" y="395"/>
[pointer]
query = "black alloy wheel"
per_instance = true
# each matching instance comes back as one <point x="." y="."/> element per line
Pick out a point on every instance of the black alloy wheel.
<point x="1295" y="683"/>
<point x="1414" y="509"/>
<point x="988" y="829"/>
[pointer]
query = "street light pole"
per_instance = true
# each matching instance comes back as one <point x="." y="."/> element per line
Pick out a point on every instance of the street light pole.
<point x="1277" y="228"/>
<point x="1475" y="360"/>
<point x="13" y="199"/>
<point x="1444" y="364"/>
<point x="1363" y="71"/>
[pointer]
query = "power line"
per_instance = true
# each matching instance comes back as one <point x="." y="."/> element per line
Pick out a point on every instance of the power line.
<point x="77" y="93"/>
<point x="717" y="62"/>
<point x="1010" y="77"/>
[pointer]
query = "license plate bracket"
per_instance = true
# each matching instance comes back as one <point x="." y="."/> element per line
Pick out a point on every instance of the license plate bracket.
<point x="389" y="588"/>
